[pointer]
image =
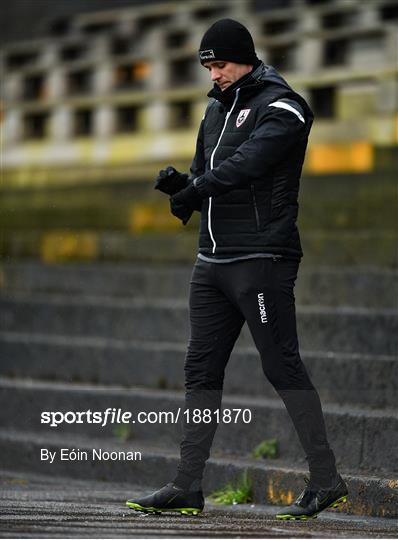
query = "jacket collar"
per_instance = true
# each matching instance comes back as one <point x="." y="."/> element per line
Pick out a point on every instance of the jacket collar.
<point x="260" y="76"/>
<point x="253" y="78"/>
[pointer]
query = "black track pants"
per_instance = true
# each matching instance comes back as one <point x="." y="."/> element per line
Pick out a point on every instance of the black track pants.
<point x="222" y="298"/>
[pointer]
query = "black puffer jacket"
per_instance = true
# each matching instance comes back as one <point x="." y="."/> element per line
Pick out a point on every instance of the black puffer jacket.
<point x="249" y="155"/>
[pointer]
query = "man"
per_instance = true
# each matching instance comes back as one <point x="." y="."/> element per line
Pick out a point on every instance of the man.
<point x="245" y="181"/>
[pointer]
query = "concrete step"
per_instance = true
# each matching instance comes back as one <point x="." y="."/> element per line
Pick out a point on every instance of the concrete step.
<point x="340" y="378"/>
<point x="334" y="248"/>
<point x="362" y="439"/>
<point x="359" y="330"/>
<point x="272" y="483"/>
<point x="348" y="286"/>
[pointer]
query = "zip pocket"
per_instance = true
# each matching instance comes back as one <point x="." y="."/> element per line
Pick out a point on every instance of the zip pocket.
<point x="255" y="207"/>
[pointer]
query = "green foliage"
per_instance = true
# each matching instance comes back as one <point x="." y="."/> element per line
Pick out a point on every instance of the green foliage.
<point x="239" y="492"/>
<point x="266" y="449"/>
<point x="123" y="432"/>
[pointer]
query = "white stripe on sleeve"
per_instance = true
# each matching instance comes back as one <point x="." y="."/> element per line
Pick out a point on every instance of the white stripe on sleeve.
<point x="283" y="105"/>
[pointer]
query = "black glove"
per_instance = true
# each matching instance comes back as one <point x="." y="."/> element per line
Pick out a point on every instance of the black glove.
<point x="183" y="203"/>
<point x="171" y="181"/>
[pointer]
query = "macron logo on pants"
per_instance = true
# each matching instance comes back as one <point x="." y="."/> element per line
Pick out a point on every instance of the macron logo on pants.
<point x="263" y="313"/>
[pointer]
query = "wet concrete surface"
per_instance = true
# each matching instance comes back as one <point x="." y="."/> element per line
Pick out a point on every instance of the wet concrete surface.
<point x="34" y="506"/>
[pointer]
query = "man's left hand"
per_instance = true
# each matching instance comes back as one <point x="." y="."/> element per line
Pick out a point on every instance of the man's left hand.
<point x="170" y="181"/>
<point x="183" y="203"/>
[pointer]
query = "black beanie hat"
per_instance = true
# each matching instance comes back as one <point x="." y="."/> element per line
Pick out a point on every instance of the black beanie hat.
<point x="227" y="40"/>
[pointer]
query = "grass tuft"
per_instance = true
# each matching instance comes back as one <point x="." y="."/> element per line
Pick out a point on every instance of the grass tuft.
<point x="239" y="492"/>
<point x="266" y="449"/>
<point x="123" y="432"/>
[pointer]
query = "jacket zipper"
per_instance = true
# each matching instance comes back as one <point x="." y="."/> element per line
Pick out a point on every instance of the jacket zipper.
<point x="255" y="206"/>
<point x="211" y="167"/>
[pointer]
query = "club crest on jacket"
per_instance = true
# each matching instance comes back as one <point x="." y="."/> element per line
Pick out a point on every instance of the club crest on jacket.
<point x="244" y="113"/>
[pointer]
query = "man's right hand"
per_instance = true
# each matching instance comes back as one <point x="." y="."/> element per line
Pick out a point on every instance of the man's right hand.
<point x="171" y="181"/>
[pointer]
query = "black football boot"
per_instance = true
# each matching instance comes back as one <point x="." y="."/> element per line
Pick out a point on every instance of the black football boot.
<point x="169" y="498"/>
<point x="315" y="499"/>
